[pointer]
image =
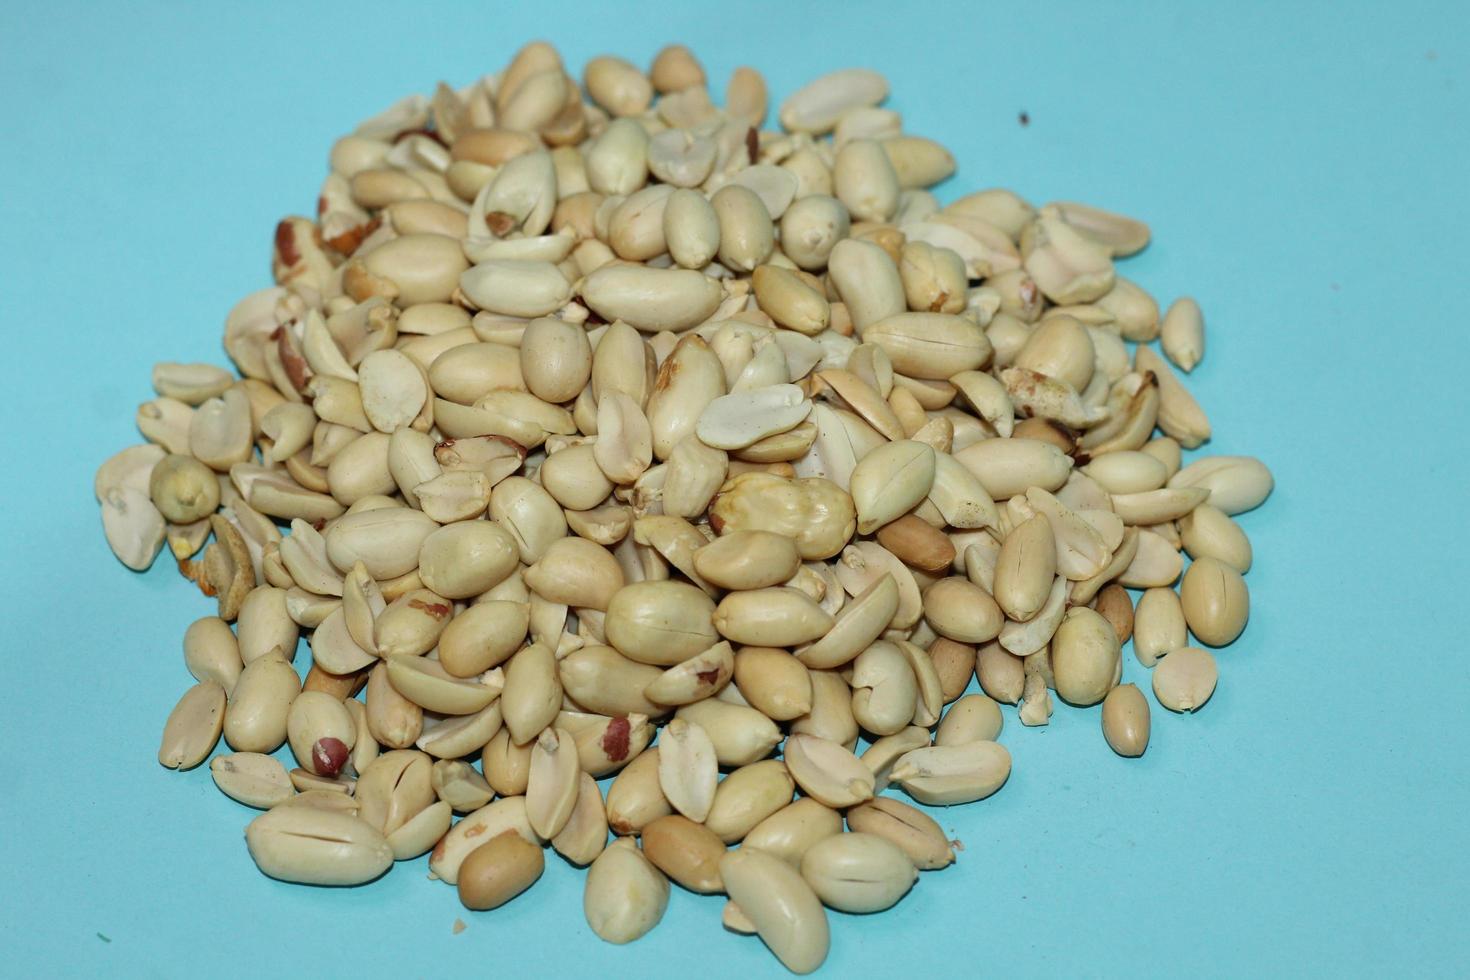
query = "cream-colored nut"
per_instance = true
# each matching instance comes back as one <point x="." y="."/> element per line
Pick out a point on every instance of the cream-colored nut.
<point x="828" y="772"/>
<point x="748" y="796"/>
<point x="317" y="847"/>
<point x="252" y="779"/>
<point x="774" y="682"/>
<point x="1007" y="467"/>
<point x="624" y="446"/>
<point x="1025" y="569"/>
<point x="831" y="716"/>
<point x="691" y="227"/>
<point x="661" y="623"/>
<point x="431" y="687"/>
<point x="748" y="559"/>
<point x="1207" y="532"/>
<point x="635" y="229"/>
<point x="190" y="383"/>
<point x="533" y="693"/>
<point x="859" y="623"/>
<point x="617" y="86"/>
<point x="265" y="624"/>
<point x="211" y="652"/>
<point x="1158" y="625"/>
<point x="255" y="720"/>
<point x="466" y="559"/>
<point x="322" y="733"/>
<point x="131" y="468"/>
<point x="625" y="895"/>
<point x="974" y="718"/>
<point x="1001" y="674"/>
<point x="486" y="824"/>
<point x="738" y="420"/>
<point x="183" y="489"/>
<point x="868" y="283"/>
<point x="221" y="431"/>
<point x="394" y="788"/>
<point x="858" y="872"/>
<point x="1236" y="483"/>
<point x="694" y="679"/>
<point x="386" y="540"/>
<point x="1026" y="638"/>
<point x="810" y="229"/>
<point x="880" y="756"/>
<point x="930" y="345"/>
<point x="1061" y="348"/>
<point x="552" y="783"/>
<point x="817" y="106"/>
<point x="516" y="287"/>
<point x="634" y="799"/>
<point x="393" y="389"/>
<point x="482" y="636"/>
<point x="1182" y="335"/>
<point x="393" y="719"/>
<point x="687" y="770"/>
<point x="193" y="727"/>
<point x="600" y="679"/>
<point x="776" y="617"/>
<point x="1084" y="656"/>
<point x="453" y="736"/>
<point x="962" y="611"/>
<point x="1185" y="680"/>
<point x="360" y="469"/>
<point x="530" y="514"/>
<point x="791" y="301"/>
<point x="651" y="299"/>
<point x="467" y="372"/>
<point x="576" y="572"/>
<point x="884" y="689"/>
<point x="911" y="830"/>
<point x="788" y="833"/>
<point x="1068" y="267"/>
<point x="746" y="232"/>
<point x="740" y="735"/>
<point x="585" y="835"/>
<point x="1156" y="563"/>
<point x="556" y="359"/>
<point x="1118" y="233"/>
<point x="782" y="907"/>
<point x="890" y="481"/>
<point x="814" y="512"/>
<point x="411" y="624"/>
<point x="1215" y="601"/>
<point x="865" y="180"/>
<point x="1125" y="720"/>
<point x="917" y="161"/>
<point x="1180" y="416"/>
<point x="944" y="775"/>
<point x="934" y="278"/>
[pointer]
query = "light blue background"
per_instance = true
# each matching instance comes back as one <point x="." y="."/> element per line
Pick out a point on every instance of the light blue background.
<point x="1303" y="167"/>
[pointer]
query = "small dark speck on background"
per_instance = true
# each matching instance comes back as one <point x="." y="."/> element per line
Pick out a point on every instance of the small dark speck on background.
<point x="1431" y="55"/>
<point x="1335" y="287"/>
<point x="103" y="938"/>
<point x="1024" y="118"/>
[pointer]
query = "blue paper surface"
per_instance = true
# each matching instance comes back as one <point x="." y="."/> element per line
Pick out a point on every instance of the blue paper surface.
<point x="1303" y="167"/>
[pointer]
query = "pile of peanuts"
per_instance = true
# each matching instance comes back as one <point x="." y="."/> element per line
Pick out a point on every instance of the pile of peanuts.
<point x="599" y="432"/>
